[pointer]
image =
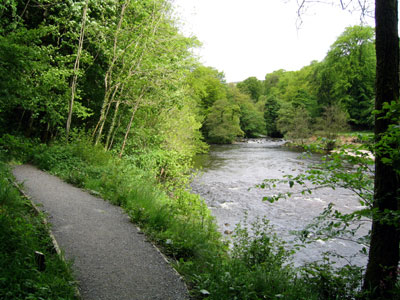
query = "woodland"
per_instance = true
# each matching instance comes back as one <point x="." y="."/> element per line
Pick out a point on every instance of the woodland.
<point x="108" y="95"/>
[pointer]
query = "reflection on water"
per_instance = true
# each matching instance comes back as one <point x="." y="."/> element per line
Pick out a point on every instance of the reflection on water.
<point x="227" y="179"/>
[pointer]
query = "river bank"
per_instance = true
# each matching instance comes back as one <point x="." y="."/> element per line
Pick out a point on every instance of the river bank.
<point x="318" y="143"/>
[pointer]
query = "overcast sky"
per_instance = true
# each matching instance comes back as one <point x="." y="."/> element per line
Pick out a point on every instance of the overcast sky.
<point x="246" y="38"/>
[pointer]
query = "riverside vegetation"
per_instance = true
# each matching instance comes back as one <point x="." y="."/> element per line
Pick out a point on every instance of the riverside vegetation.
<point x="108" y="96"/>
<point x="257" y="266"/>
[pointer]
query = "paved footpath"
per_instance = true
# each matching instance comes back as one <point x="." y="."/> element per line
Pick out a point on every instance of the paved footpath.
<point x="111" y="259"/>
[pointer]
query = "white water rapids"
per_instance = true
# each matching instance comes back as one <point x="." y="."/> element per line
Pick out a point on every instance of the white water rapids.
<point x="228" y="171"/>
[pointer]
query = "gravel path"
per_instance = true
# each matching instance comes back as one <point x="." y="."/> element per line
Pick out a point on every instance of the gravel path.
<point x="112" y="260"/>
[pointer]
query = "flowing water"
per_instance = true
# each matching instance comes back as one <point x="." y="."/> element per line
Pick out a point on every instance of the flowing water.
<point x="227" y="183"/>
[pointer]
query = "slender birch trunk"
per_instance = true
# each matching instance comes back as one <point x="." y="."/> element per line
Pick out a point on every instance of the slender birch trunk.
<point x="114" y="133"/>
<point x="108" y="79"/>
<point x="76" y="69"/>
<point x="128" y="129"/>
<point x="112" y="126"/>
<point x="133" y="69"/>
<point x="105" y="114"/>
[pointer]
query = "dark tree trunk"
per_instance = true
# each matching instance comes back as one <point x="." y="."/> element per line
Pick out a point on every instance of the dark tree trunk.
<point x="381" y="273"/>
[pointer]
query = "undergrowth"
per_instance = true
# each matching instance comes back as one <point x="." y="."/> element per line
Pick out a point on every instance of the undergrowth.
<point x="21" y="234"/>
<point x="255" y="266"/>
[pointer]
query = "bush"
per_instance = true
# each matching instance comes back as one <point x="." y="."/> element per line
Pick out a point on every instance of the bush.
<point x="257" y="267"/>
<point x="18" y="148"/>
<point x="330" y="283"/>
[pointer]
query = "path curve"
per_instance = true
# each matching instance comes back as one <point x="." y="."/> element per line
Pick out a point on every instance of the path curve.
<point x="112" y="260"/>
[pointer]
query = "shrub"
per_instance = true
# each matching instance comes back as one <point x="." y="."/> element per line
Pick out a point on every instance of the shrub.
<point x="18" y="148"/>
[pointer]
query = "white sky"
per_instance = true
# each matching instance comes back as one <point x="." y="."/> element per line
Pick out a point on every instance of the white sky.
<point x="246" y="38"/>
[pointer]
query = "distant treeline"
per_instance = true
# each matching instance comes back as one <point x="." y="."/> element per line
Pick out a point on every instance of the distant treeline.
<point x="324" y="96"/>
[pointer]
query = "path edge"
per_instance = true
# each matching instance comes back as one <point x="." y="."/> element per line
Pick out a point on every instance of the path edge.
<point x="43" y="218"/>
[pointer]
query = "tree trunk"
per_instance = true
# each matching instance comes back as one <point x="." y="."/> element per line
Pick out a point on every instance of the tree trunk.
<point x="381" y="273"/>
<point x="114" y="133"/>
<point x="76" y="69"/>
<point x="108" y="80"/>
<point x="128" y="129"/>
<point x="104" y="113"/>
<point x="112" y="126"/>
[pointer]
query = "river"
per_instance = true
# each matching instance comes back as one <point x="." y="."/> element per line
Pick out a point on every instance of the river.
<point x="227" y="182"/>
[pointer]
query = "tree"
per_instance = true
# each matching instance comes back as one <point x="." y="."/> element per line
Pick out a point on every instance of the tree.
<point x="207" y="85"/>
<point x="294" y="122"/>
<point x="271" y="116"/>
<point x="147" y="59"/>
<point x="382" y="268"/>
<point x="332" y="122"/>
<point x="76" y="69"/>
<point x="37" y="64"/>
<point x="273" y="81"/>
<point x="348" y="73"/>
<point x="251" y="118"/>
<point x="223" y="122"/>
<point x="251" y="86"/>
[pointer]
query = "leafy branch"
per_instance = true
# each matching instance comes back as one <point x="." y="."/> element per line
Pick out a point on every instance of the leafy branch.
<point x="350" y="168"/>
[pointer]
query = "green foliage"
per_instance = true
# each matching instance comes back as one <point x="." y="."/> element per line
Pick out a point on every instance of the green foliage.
<point x="332" y="121"/>
<point x="37" y="64"/>
<point x="21" y="234"/>
<point x="345" y="78"/>
<point x="251" y="117"/>
<point x="255" y="269"/>
<point x="271" y="114"/>
<point x="251" y="86"/>
<point x="388" y="145"/>
<point x="257" y="265"/>
<point x="146" y="82"/>
<point x="275" y="83"/>
<point x="222" y="106"/>
<point x="165" y="140"/>
<point x="207" y="85"/>
<point x="286" y="94"/>
<point x="181" y="131"/>
<point x="294" y="123"/>
<point x="223" y="122"/>
<point x="330" y="283"/>
<point x="181" y="222"/>
<point x="348" y="74"/>
<point x="168" y="167"/>
<point x="251" y="120"/>
<point x="17" y="148"/>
